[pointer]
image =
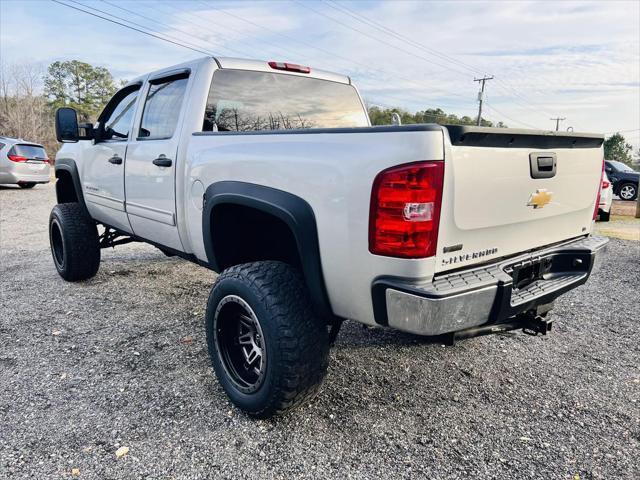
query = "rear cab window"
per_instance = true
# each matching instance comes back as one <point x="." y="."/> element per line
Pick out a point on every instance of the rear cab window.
<point x="241" y="100"/>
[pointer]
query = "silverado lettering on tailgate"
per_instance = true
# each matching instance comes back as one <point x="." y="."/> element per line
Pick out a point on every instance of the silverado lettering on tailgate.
<point x="468" y="256"/>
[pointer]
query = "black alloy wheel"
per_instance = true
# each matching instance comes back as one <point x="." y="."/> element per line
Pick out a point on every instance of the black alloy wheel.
<point x="240" y="343"/>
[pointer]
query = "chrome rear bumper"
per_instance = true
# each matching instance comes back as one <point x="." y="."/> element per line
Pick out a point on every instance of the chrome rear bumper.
<point x="487" y="294"/>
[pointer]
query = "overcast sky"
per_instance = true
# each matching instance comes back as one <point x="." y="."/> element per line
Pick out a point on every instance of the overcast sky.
<point x="579" y="60"/>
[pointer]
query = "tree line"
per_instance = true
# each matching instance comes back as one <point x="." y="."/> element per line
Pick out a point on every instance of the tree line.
<point x="383" y="116"/>
<point x="30" y="95"/>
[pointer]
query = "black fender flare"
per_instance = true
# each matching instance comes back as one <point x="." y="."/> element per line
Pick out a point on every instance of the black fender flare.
<point x="294" y="211"/>
<point x="69" y="165"/>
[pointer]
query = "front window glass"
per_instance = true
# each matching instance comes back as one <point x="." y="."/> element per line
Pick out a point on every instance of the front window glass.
<point x="162" y="108"/>
<point x="246" y="101"/>
<point x="118" y="123"/>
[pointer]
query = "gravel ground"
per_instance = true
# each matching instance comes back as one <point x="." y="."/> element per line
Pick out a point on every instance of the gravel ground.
<point x="121" y="361"/>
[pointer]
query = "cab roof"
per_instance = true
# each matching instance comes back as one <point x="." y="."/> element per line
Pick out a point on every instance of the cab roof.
<point x="263" y="66"/>
<point x="245" y="64"/>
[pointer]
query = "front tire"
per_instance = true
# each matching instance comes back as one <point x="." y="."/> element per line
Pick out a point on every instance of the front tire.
<point x="27" y="185"/>
<point x="74" y="242"/>
<point x="628" y="191"/>
<point x="269" y="350"/>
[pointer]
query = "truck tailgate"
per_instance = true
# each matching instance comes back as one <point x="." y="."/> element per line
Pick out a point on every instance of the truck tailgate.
<point x="508" y="191"/>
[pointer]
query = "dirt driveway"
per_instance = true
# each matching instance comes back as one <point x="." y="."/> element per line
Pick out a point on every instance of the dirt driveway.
<point x="120" y="361"/>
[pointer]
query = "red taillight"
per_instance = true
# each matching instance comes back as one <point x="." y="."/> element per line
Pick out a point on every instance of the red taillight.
<point x="595" y="210"/>
<point x="605" y="184"/>
<point x="17" y="158"/>
<point x="290" y="67"/>
<point x="405" y="210"/>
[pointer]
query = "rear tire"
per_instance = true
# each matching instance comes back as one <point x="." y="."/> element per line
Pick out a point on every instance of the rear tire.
<point x="268" y="349"/>
<point x="604" y="216"/>
<point x="27" y="185"/>
<point x="74" y="242"/>
<point x="628" y="191"/>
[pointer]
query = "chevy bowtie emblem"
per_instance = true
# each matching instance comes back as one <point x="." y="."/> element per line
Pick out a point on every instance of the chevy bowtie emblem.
<point x="540" y="198"/>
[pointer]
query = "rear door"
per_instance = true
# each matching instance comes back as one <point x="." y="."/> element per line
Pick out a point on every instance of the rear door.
<point x="103" y="165"/>
<point x="151" y="160"/>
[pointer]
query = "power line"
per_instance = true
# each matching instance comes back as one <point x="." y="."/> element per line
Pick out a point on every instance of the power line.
<point x="143" y="28"/>
<point x="140" y="30"/>
<point x="154" y="21"/>
<point x="346" y="25"/>
<point x="613" y="132"/>
<point x="499" y="112"/>
<point x="203" y="25"/>
<point x="368" y="69"/>
<point x="433" y="104"/>
<point x="132" y="28"/>
<point x="387" y="30"/>
<point x="297" y="40"/>
<point x="398" y="36"/>
<point x="180" y="42"/>
<point x="503" y="84"/>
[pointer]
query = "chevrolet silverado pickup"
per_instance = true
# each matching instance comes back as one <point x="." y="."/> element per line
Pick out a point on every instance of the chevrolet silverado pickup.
<point x="271" y="174"/>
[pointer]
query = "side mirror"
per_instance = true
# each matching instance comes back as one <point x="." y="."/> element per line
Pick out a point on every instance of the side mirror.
<point x="67" y="128"/>
<point x="67" y="125"/>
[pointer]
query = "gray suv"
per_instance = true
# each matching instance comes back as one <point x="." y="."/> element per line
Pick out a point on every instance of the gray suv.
<point x="23" y="163"/>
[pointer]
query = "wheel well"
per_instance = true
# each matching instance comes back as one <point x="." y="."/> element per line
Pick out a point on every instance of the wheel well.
<point x="244" y="234"/>
<point x="244" y="222"/>
<point x="65" y="188"/>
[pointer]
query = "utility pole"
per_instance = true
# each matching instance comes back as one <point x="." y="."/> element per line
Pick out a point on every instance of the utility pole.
<point x="481" y="95"/>
<point x="558" y="120"/>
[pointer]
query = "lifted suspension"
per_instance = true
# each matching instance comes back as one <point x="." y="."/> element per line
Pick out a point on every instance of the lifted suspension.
<point x="111" y="238"/>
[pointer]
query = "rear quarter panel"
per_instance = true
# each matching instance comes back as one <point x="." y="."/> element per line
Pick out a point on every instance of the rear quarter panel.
<point x="334" y="173"/>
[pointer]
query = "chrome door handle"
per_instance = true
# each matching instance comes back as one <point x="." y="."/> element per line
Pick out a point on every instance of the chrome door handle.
<point x="163" y="161"/>
<point x="116" y="160"/>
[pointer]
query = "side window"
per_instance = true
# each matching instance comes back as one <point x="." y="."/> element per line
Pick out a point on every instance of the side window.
<point x="117" y="123"/>
<point x="162" y="108"/>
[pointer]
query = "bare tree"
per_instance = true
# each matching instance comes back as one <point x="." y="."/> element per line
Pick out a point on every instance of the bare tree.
<point x="24" y="111"/>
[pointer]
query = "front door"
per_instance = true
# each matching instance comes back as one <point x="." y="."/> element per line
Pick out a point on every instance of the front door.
<point x="151" y="162"/>
<point x="103" y="168"/>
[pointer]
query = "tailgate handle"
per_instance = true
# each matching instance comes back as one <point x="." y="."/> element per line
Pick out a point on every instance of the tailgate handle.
<point x="543" y="165"/>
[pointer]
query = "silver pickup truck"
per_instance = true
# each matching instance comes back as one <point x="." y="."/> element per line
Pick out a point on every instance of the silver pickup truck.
<point x="271" y="174"/>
